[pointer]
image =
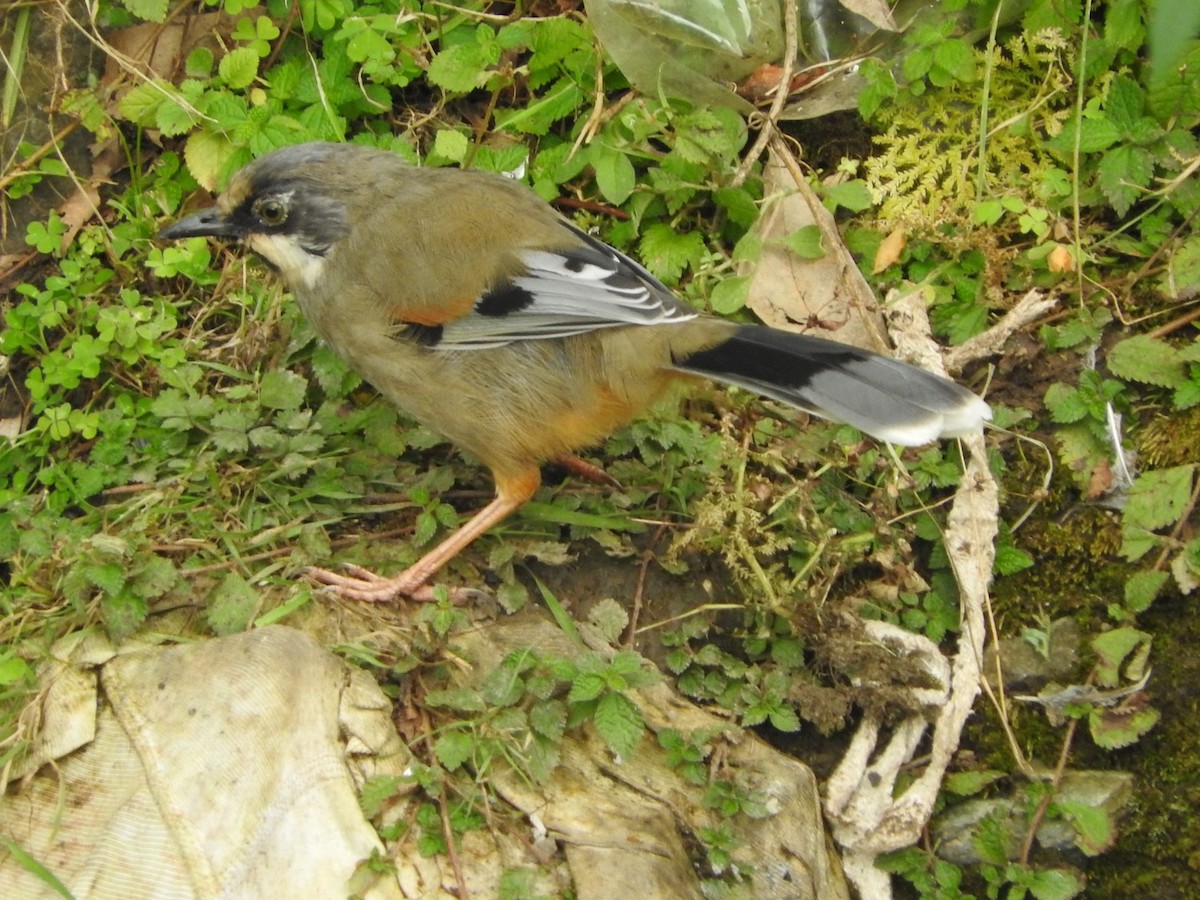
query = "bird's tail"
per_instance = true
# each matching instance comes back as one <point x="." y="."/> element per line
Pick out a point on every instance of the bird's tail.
<point x="884" y="397"/>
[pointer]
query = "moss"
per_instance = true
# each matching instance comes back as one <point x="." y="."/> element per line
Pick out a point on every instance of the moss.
<point x="1159" y="845"/>
<point x="1170" y="440"/>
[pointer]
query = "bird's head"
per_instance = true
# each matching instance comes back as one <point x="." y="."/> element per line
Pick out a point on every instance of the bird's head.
<point x="292" y="206"/>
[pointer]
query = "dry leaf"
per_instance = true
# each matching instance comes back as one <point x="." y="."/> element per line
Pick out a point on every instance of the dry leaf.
<point x="877" y="12"/>
<point x="813" y="295"/>
<point x="889" y="250"/>
<point x="1060" y="260"/>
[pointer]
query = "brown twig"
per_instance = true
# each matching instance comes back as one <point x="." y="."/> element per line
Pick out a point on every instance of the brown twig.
<point x="781" y="95"/>
<point x="1040" y="813"/>
<point x="640" y="590"/>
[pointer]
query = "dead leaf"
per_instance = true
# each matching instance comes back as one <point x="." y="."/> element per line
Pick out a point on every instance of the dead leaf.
<point x="1101" y="480"/>
<point x="877" y="12"/>
<point x="889" y="250"/>
<point x="1060" y="260"/>
<point x="826" y="295"/>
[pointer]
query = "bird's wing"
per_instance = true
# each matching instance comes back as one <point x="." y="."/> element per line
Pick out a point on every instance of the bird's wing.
<point x="578" y="288"/>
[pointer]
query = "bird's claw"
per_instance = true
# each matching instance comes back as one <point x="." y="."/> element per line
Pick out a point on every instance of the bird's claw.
<point x="367" y="587"/>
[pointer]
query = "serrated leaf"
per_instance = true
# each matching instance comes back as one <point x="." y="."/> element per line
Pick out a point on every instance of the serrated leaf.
<point x="453" y="748"/>
<point x="1141" y="588"/>
<point x="1094" y="827"/>
<point x="1066" y="404"/>
<point x="109" y="577"/>
<point x="609" y="618"/>
<point x="173" y="118"/>
<point x="1123" y="175"/>
<point x="123" y="613"/>
<point x="1125" y="102"/>
<point x="1184" y="276"/>
<point x="141" y="103"/>
<point x="207" y="153"/>
<point x="667" y="253"/>
<point x="453" y="145"/>
<point x="619" y="723"/>
<point x="148" y="10"/>
<point x="231" y="605"/>
<point x="1113" y="729"/>
<point x="1147" y="360"/>
<point x="1096" y="133"/>
<point x="466" y="66"/>
<point x="586" y="687"/>
<point x="282" y="389"/>
<point x="957" y="58"/>
<point x="156" y="577"/>
<point x="784" y="718"/>
<point x="1055" y="884"/>
<point x="549" y="719"/>
<point x="239" y="67"/>
<point x="1158" y="498"/>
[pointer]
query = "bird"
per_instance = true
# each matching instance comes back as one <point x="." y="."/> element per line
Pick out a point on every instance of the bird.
<point x="477" y="309"/>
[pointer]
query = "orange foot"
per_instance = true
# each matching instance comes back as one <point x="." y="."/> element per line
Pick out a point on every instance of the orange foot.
<point x="363" y="584"/>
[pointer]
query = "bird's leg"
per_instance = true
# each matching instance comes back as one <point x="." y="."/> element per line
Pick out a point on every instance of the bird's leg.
<point x="360" y="584"/>
<point x="581" y="468"/>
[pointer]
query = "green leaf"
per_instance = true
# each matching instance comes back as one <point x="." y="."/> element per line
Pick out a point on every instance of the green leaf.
<point x="174" y="118"/>
<point x="466" y="66"/>
<point x="1123" y="175"/>
<point x="109" y="577"/>
<point x="239" y="67"/>
<point x="1096" y="133"/>
<point x="207" y="153"/>
<point x="1147" y="360"/>
<point x="1066" y="404"/>
<point x="14" y="670"/>
<point x="231" y="605"/>
<point x="453" y="748"/>
<point x="619" y="723"/>
<point x="784" y="718"/>
<point x="141" y="103"/>
<point x="957" y="58"/>
<point x="730" y="295"/>
<point x="586" y="687"/>
<point x="1141" y="588"/>
<point x="667" y="253"/>
<point x="149" y="10"/>
<point x="122" y="613"/>
<point x="378" y="790"/>
<point x="1125" y="102"/>
<point x="1094" y="827"/>
<point x="805" y="242"/>
<point x="1055" y="884"/>
<point x="1184" y="276"/>
<point x="1112" y="649"/>
<point x="968" y="783"/>
<point x="549" y="719"/>
<point x="615" y="175"/>
<point x="35" y="868"/>
<point x="1158" y="498"/>
<point x="452" y="145"/>
<point x="1114" y="729"/>
<point x="282" y="389"/>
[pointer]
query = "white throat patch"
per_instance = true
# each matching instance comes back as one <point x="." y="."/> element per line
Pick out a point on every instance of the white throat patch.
<point x="298" y="267"/>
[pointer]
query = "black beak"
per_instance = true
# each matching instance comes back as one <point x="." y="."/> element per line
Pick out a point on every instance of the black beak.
<point x="205" y="223"/>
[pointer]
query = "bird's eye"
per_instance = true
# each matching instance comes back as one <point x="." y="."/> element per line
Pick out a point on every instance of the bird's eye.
<point x="271" y="211"/>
